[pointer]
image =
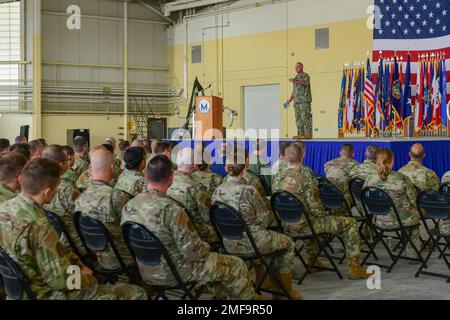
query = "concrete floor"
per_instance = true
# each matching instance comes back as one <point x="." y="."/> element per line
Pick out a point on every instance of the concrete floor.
<point x="399" y="284"/>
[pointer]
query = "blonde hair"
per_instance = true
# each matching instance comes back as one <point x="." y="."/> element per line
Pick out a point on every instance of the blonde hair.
<point x="385" y="158"/>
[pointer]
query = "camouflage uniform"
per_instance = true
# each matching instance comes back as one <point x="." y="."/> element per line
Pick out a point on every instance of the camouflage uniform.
<point x="249" y="203"/>
<point x="261" y="169"/>
<point x="100" y="201"/>
<point x="403" y="194"/>
<point x="338" y="172"/>
<point x="422" y="177"/>
<point x="84" y="180"/>
<point x="70" y="175"/>
<point x="63" y="204"/>
<point x="208" y="179"/>
<point x="302" y="105"/>
<point x="228" y="275"/>
<point x="446" y="178"/>
<point x="363" y="171"/>
<point x="131" y="181"/>
<point x="32" y="242"/>
<point x="194" y="197"/>
<point x="6" y="193"/>
<point x="117" y="170"/>
<point x="304" y="186"/>
<point x="278" y="168"/>
<point x="80" y="165"/>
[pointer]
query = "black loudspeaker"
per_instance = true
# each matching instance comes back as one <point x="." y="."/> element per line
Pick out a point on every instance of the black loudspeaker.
<point x="83" y="133"/>
<point x="24" y="131"/>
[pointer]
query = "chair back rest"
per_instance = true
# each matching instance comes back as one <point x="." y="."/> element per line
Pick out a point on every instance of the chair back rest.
<point x="434" y="204"/>
<point x="92" y="232"/>
<point x="376" y="201"/>
<point x="332" y="197"/>
<point x="287" y="207"/>
<point x="143" y="244"/>
<point x="356" y="186"/>
<point x="227" y="221"/>
<point x="56" y="222"/>
<point x="14" y="281"/>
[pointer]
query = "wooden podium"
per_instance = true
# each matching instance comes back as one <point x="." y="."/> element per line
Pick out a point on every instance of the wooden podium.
<point x="208" y="116"/>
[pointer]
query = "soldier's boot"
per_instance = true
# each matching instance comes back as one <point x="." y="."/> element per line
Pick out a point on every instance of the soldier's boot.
<point x="318" y="264"/>
<point x="286" y="280"/>
<point x="267" y="283"/>
<point x="355" y="271"/>
<point x="308" y="136"/>
<point x="300" y="135"/>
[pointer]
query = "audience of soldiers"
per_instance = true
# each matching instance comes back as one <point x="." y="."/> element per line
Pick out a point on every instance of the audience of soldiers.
<point x="171" y="195"/>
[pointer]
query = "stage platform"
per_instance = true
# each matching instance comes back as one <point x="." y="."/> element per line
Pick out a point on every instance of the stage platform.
<point x="320" y="151"/>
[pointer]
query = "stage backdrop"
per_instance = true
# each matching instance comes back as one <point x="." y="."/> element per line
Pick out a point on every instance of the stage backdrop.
<point x="319" y="152"/>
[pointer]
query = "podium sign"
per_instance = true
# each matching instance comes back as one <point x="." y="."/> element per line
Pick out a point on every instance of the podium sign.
<point x="208" y="116"/>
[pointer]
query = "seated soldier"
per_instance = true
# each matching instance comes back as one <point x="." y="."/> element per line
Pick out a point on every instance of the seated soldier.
<point x="84" y="181"/>
<point x="299" y="181"/>
<point x="102" y="202"/>
<point x="81" y="149"/>
<point x="167" y="219"/>
<point x="246" y="200"/>
<point x="280" y="164"/>
<point x="11" y="165"/>
<point x="422" y="177"/>
<point x="63" y="204"/>
<point x="70" y="174"/>
<point x="402" y="192"/>
<point x="31" y="241"/>
<point x="202" y="173"/>
<point x="132" y="180"/>
<point x="164" y="148"/>
<point x="338" y="170"/>
<point x="259" y="165"/>
<point x="192" y="195"/>
<point x="21" y="140"/>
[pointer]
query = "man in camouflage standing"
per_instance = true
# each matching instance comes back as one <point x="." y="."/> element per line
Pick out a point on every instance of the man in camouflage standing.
<point x="422" y="177"/>
<point x="304" y="186"/>
<point x="302" y="102"/>
<point x="30" y="240"/>
<point x="338" y="170"/>
<point x="167" y="219"/>
<point x="192" y="195"/>
<point x="100" y="201"/>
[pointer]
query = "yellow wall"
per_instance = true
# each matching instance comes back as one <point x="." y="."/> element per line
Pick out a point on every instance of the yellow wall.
<point x="269" y="58"/>
<point x="54" y="127"/>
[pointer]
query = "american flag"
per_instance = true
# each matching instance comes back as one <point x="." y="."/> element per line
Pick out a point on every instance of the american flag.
<point x="368" y="96"/>
<point x="420" y="27"/>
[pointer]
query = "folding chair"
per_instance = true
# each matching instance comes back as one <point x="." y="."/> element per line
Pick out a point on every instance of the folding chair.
<point x="96" y="238"/>
<point x="229" y="225"/>
<point x="355" y="187"/>
<point x="15" y="282"/>
<point x="61" y="229"/>
<point x="376" y="202"/>
<point x="147" y="249"/>
<point x="437" y="207"/>
<point x="333" y="199"/>
<point x="290" y="210"/>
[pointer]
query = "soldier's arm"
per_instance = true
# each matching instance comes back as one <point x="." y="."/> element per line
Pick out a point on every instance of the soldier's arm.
<point x="53" y="258"/>
<point x="411" y="193"/>
<point x="435" y="181"/>
<point x="262" y="211"/>
<point x="118" y="200"/>
<point x="203" y="201"/>
<point x="185" y="235"/>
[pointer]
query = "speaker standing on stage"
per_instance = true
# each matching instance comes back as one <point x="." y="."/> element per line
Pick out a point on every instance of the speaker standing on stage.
<point x="302" y="102"/>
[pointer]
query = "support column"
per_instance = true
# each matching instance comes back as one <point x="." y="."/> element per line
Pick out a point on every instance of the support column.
<point x="125" y="70"/>
<point x="37" y="69"/>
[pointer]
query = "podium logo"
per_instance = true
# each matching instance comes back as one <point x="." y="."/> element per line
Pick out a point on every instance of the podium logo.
<point x="204" y="106"/>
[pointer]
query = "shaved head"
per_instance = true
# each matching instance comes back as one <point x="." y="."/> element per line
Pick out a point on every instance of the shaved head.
<point x="417" y="152"/>
<point x="101" y="160"/>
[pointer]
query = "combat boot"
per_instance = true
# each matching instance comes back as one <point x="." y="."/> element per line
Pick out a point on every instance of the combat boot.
<point x="286" y="280"/>
<point x="308" y="136"/>
<point x="355" y="271"/>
